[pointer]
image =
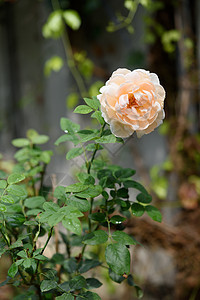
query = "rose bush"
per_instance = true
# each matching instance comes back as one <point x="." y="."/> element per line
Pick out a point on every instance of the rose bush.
<point x="132" y="101"/>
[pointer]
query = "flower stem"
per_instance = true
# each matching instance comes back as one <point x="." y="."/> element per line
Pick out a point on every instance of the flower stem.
<point x="47" y="241"/>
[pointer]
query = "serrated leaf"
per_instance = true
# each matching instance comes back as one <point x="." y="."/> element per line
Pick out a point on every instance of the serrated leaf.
<point x="88" y="264"/>
<point x="81" y="204"/>
<point x="74" y="225"/>
<point x="87" y="135"/>
<point x="48" y="285"/>
<point x="91" y="192"/>
<point x="103" y="173"/>
<point x="59" y="193"/>
<point x="70" y="211"/>
<point x="88" y="296"/>
<point x="93" y="283"/>
<point x="22" y="253"/>
<point x="68" y="126"/>
<point x="70" y="265"/>
<point x="92" y="147"/>
<point x="106" y="139"/>
<point x="118" y="258"/>
<point x="13" y="270"/>
<point x="15" y="178"/>
<point x="93" y="103"/>
<point x="122" y="193"/>
<point x="123" y="238"/>
<point x="16" y="190"/>
<point x="136" y="185"/>
<point x="85" y="178"/>
<point x="74" y="152"/>
<point x="77" y="283"/>
<point x="19" y="262"/>
<point x="76" y="188"/>
<point x="83" y="109"/>
<point x="67" y="137"/>
<point x="153" y="213"/>
<point x="97" y="115"/>
<point x="95" y="238"/>
<point x="99" y="217"/>
<point x="144" y="198"/>
<point x="115" y="277"/>
<point x="34" y="212"/>
<point x="27" y="263"/>
<point x="20" y="142"/>
<point x="34" y="202"/>
<point x="3" y="184"/>
<point x="51" y="206"/>
<point x="16" y="244"/>
<point x="7" y="199"/>
<point x="124" y="173"/>
<point x="3" y="174"/>
<point x="137" y="209"/>
<point x="41" y="257"/>
<point x="16" y="220"/>
<point x="31" y="223"/>
<point x="55" y="218"/>
<point x="117" y="219"/>
<point x="65" y="297"/>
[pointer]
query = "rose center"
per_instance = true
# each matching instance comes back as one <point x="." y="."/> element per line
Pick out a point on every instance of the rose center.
<point x="131" y="101"/>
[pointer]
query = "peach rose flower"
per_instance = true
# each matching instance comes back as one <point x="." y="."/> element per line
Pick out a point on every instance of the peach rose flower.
<point x="132" y="101"/>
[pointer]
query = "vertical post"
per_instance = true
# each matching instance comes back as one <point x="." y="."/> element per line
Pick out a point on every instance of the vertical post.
<point x="14" y="115"/>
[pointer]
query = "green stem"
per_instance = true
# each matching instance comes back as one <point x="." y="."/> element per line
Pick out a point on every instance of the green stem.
<point x="70" y="57"/>
<point x="7" y="240"/>
<point x="47" y="241"/>
<point x="89" y="221"/>
<point x="89" y="165"/>
<point x="42" y="251"/>
<point x="22" y="276"/>
<point x="109" y="233"/>
<point x="42" y="179"/>
<point x="127" y="20"/>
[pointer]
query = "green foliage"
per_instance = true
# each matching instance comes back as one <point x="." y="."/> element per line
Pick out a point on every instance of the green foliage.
<point x="72" y="19"/>
<point x="54" y="26"/>
<point x="169" y="38"/>
<point x="118" y="258"/>
<point x="55" y="63"/>
<point x="91" y="210"/>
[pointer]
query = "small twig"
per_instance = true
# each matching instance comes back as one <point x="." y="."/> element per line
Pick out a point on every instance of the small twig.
<point x="47" y="241"/>
<point x="56" y="231"/>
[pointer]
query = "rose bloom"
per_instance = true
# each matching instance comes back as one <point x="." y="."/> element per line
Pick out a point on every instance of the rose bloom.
<point x="132" y="101"/>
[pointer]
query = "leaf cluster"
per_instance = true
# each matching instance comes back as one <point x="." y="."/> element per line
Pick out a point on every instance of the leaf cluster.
<point x="93" y="213"/>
